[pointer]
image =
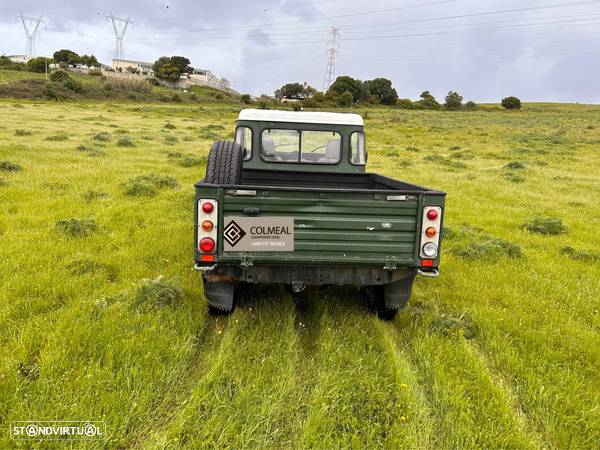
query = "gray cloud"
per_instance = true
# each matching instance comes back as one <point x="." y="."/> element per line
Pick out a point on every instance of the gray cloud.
<point x="543" y="54"/>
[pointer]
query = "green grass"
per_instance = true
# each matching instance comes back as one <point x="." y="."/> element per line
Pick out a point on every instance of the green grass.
<point x="102" y="318"/>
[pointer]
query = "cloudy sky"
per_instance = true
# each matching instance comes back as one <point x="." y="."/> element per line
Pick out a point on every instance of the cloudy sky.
<point x="539" y="50"/>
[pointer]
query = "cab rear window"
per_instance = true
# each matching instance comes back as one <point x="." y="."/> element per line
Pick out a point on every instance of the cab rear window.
<point x="300" y="146"/>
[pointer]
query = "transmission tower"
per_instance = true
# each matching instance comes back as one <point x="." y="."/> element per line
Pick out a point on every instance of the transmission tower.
<point x="32" y="27"/>
<point x="120" y="27"/>
<point x="334" y="44"/>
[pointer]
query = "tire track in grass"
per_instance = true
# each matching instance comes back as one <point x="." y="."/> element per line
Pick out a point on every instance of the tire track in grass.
<point x="407" y="378"/>
<point x="470" y="409"/>
<point x="525" y="425"/>
<point x="356" y="401"/>
<point x="246" y="397"/>
<point x="166" y="406"/>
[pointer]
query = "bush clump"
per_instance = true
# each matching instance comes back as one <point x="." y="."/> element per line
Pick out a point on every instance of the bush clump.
<point x="170" y="126"/>
<point x="515" y="165"/>
<point x="63" y="78"/>
<point x="157" y="292"/>
<point x="448" y="326"/>
<point x="91" y="196"/>
<point x="7" y="166"/>
<point x="473" y="243"/>
<point x="76" y="227"/>
<point x="580" y="255"/>
<point x="149" y="185"/>
<point x="125" y="141"/>
<point x="60" y="137"/>
<point x="102" y="136"/>
<point x="511" y="103"/>
<point x="548" y="226"/>
<point x="19" y="132"/>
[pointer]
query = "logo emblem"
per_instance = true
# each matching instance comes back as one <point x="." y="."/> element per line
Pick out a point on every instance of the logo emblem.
<point x="233" y="233"/>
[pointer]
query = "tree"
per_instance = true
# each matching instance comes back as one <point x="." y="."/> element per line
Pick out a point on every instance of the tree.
<point x="38" y="65"/>
<point x="169" y="72"/>
<point x="295" y="91"/>
<point x="428" y="101"/>
<point x="453" y="100"/>
<point x="355" y="87"/>
<point x="182" y="63"/>
<point x="345" y="99"/>
<point x="67" y="57"/>
<point x="89" y="60"/>
<point x="382" y="89"/>
<point x="511" y="103"/>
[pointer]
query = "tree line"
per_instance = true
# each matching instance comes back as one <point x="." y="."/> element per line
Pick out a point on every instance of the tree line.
<point x="348" y="91"/>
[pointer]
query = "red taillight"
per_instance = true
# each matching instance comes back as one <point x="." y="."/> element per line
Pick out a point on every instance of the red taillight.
<point x="207" y="245"/>
<point x="427" y="262"/>
<point x="432" y="214"/>
<point x="208" y="208"/>
<point x="207" y="258"/>
<point x="207" y="225"/>
<point x="430" y="232"/>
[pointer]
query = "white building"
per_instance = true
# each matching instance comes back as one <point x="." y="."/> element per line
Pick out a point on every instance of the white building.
<point x="125" y="65"/>
<point x="19" y="58"/>
<point x="205" y="77"/>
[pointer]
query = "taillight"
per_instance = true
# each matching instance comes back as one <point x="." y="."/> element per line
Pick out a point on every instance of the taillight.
<point x="430" y="234"/>
<point x="207" y="228"/>
<point x="207" y="245"/>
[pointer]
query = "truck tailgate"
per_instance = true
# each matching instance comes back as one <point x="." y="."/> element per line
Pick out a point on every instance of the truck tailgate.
<point x="330" y="227"/>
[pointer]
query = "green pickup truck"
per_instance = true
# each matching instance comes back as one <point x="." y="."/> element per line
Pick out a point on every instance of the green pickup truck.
<point x="289" y="201"/>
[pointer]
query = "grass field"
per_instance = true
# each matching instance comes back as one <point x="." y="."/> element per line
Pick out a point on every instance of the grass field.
<point x="502" y="351"/>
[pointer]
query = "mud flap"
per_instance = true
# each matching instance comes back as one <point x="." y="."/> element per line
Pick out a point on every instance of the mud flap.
<point x="219" y="294"/>
<point x="396" y="294"/>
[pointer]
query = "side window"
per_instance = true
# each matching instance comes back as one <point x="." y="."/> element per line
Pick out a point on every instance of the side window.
<point x="357" y="148"/>
<point x="281" y="145"/>
<point x="243" y="136"/>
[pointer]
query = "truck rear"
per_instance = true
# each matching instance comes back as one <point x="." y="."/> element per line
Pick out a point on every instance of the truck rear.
<point x="289" y="202"/>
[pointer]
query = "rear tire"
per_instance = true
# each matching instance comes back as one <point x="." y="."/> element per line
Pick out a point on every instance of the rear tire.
<point x="224" y="164"/>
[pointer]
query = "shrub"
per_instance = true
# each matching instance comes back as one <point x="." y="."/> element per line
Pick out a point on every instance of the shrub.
<point x="453" y="101"/>
<point x="515" y="165"/>
<point x="158" y="292"/>
<point x="472" y="243"/>
<point x="91" y="196"/>
<point x="345" y="99"/>
<point x="7" y="166"/>
<point x="405" y="103"/>
<point x="148" y="185"/>
<point x="170" y="126"/>
<point x="579" y="255"/>
<point x="102" y="136"/>
<point x="58" y="137"/>
<point x="176" y="98"/>
<point x="219" y="96"/>
<point x="125" y="141"/>
<point x="76" y="227"/>
<point x="171" y="140"/>
<point x="246" y="99"/>
<point x="189" y="161"/>
<point x="470" y="105"/>
<point x="511" y="103"/>
<point x="19" y="132"/>
<point x="153" y="81"/>
<point x="297" y="107"/>
<point x="38" y="65"/>
<point x="59" y="76"/>
<point x="95" y="72"/>
<point x="548" y="226"/>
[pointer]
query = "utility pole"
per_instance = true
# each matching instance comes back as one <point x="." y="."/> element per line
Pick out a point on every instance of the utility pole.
<point x="32" y="27"/>
<point x="120" y="27"/>
<point x="334" y="44"/>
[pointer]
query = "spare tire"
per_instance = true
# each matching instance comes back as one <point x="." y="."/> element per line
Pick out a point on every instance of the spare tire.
<point x="224" y="164"/>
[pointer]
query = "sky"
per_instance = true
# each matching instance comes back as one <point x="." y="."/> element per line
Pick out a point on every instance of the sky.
<point x="539" y="50"/>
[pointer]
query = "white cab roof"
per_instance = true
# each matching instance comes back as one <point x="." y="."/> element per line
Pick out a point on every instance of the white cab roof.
<point x="326" y="118"/>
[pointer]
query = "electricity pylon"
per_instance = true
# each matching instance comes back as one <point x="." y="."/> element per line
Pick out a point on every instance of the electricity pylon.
<point x="120" y="27"/>
<point x="32" y="27"/>
<point x="334" y="44"/>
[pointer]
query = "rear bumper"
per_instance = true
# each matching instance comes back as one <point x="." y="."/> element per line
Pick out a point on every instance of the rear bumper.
<point x="309" y="275"/>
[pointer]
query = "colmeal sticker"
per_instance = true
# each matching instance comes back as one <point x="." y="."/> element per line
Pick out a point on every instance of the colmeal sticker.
<point x="258" y="234"/>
